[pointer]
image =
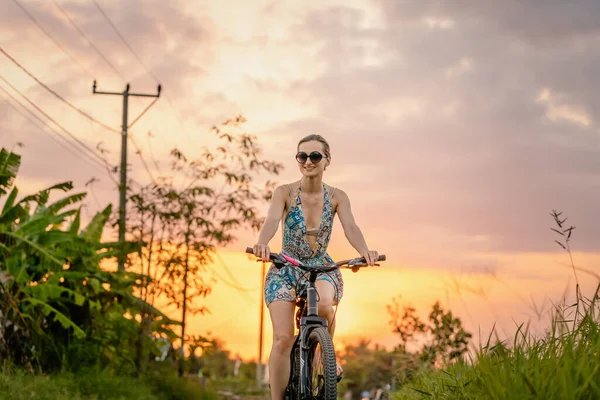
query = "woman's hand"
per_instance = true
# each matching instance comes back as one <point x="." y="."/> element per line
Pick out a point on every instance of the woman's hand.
<point x="371" y="256"/>
<point x="263" y="252"/>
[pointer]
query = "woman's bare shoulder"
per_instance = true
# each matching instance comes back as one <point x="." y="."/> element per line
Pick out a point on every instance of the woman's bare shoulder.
<point x="290" y="187"/>
<point x="335" y="193"/>
<point x="286" y="190"/>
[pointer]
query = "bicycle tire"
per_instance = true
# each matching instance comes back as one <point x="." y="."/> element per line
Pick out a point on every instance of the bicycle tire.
<point x="293" y="389"/>
<point x="321" y="337"/>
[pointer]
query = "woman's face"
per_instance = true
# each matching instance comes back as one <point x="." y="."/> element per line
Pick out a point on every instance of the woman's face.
<point x="310" y="168"/>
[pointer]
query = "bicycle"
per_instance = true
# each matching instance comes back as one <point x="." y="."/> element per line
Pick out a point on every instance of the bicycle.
<point x="307" y="382"/>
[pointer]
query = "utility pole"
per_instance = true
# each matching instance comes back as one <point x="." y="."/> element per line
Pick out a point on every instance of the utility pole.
<point x="123" y="168"/>
<point x="259" y="369"/>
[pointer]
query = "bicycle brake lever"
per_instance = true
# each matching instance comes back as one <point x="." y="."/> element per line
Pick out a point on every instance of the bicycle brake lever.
<point x="356" y="267"/>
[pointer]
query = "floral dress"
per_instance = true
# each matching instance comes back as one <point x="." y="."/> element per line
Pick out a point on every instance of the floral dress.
<point x="286" y="283"/>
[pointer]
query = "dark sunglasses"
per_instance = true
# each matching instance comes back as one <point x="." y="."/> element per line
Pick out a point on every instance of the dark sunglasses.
<point x="315" y="157"/>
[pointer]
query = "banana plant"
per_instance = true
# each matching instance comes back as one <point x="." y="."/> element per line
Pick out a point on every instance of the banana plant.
<point x="54" y="297"/>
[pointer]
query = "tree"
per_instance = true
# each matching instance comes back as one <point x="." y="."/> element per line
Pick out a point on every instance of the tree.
<point x="182" y="225"/>
<point x="448" y="339"/>
<point x="151" y="227"/>
<point x="443" y="338"/>
<point x="406" y="323"/>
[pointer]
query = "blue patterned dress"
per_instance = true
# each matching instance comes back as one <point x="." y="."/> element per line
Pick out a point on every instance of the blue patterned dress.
<point x="287" y="283"/>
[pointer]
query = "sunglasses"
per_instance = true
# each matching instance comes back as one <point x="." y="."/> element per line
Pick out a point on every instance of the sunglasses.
<point x="315" y="157"/>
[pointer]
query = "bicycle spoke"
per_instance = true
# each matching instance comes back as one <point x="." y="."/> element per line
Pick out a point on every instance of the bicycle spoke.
<point x="317" y="378"/>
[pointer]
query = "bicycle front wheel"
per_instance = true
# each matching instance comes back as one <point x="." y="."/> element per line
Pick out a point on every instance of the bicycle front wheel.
<point x="321" y="366"/>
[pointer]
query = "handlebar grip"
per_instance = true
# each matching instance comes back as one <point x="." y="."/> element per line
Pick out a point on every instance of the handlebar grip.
<point x="272" y="257"/>
<point x="381" y="257"/>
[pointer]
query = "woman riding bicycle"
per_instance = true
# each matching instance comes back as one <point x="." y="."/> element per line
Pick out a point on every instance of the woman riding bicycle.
<point x="306" y="209"/>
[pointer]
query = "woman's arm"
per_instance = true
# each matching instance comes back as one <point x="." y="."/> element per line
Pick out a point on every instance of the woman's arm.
<point x="351" y="229"/>
<point x="261" y="248"/>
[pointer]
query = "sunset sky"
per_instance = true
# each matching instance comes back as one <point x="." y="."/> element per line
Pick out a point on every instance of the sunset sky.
<point x="456" y="127"/>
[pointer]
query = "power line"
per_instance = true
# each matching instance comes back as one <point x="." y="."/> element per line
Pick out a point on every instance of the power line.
<point x="41" y="129"/>
<point x="241" y="291"/>
<point x="137" y="148"/>
<point x="82" y="144"/>
<point x="85" y="114"/>
<point x="227" y="321"/>
<point x="93" y="127"/>
<point x="124" y="40"/>
<point x="156" y="167"/>
<point x="148" y="70"/>
<point x="80" y="111"/>
<point x="91" y="162"/>
<point x="138" y="151"/>
<point x="228" y="271"/>
<point x="57" y="95"/>
<point x="90" y="184"/>
<point x="88" y="40"/>
<point x="244" y="292"/>
<point x="18" y="3"/>
<point x="239" y="288"/>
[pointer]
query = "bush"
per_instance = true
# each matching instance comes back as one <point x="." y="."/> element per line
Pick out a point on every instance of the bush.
<point x="15" y="384"/>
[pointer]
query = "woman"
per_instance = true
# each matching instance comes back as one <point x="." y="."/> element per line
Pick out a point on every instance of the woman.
<point x="307" y="207"/>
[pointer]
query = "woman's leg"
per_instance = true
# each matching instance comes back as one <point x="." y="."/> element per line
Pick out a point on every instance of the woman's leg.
<point x="282" y="318"/>
<point x="326" y="295"/>
<point x="326" y="301"/>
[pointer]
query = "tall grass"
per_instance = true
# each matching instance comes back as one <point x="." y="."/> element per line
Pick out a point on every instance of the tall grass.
<point x="562" y="363"/>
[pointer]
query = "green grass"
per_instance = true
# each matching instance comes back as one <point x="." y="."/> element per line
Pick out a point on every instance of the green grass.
<point x="87" y="385"/>
<point x="562" y="364"/>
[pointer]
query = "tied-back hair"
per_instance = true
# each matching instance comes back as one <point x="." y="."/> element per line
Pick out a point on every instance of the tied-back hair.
<point x="317" y="138"/>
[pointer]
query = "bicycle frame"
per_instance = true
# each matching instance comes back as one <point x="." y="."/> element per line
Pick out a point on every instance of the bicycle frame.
<point x="308" y="322"/>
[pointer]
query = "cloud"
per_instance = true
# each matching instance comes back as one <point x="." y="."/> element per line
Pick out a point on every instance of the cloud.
<point x="452" y="123"/>
<point x="540" y="21"/>
<point x="458" y="121"/>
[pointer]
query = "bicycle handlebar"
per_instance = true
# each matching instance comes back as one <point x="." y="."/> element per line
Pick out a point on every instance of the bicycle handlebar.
<point x="279" y="260"/>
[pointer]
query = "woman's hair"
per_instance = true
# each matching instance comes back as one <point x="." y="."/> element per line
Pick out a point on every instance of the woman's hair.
<point x="317" y="138"/>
